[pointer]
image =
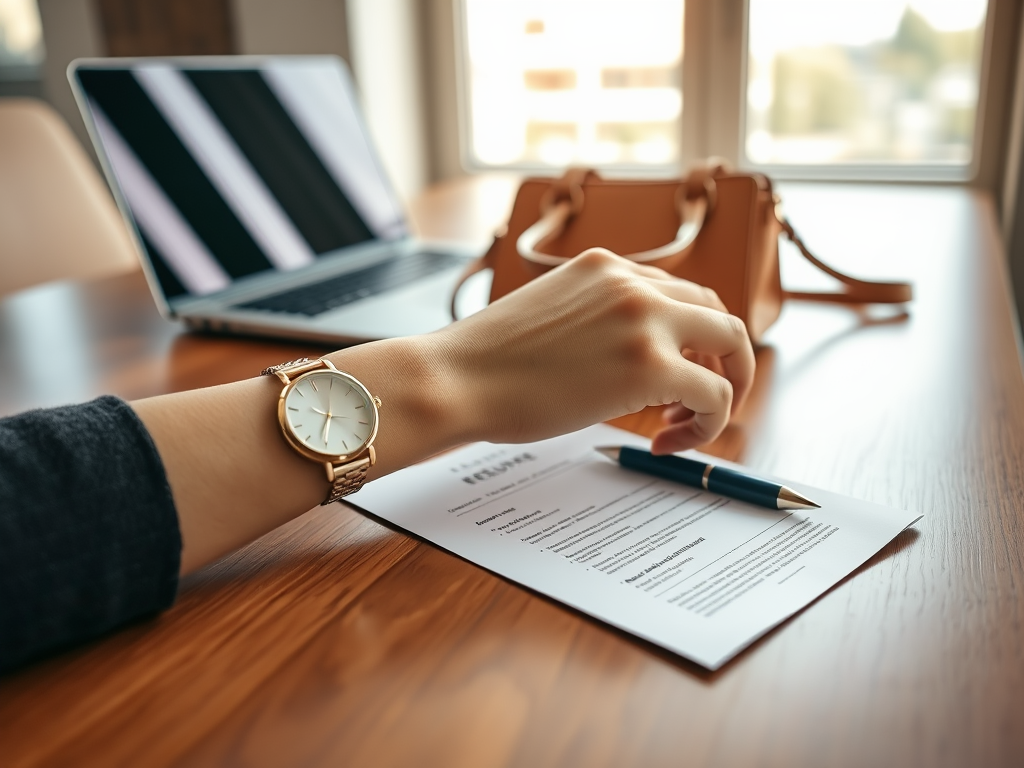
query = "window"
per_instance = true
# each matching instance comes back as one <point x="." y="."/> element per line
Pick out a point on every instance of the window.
<point x="549" y="83"/>
<point x="21" y="37"/>
<point x="863" y="82"/>
<point x="801" y="88"/>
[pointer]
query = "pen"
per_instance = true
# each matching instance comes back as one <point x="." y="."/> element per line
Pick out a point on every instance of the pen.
<point x="727" y="482"/>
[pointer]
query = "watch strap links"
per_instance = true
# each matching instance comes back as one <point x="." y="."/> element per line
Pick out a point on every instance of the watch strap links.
<point x="285" y="371"/>
<point x="346" y="478"/>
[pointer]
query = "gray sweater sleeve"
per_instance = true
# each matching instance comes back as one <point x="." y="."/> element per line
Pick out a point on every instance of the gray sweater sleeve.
<point x="89" y="535"/>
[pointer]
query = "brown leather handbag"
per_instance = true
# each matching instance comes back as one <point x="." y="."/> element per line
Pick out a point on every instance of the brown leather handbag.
<point x="714" y="227"/>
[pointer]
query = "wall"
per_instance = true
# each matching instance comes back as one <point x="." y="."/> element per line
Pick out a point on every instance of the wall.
<point x="440" y="73"/>
<point x="386" y="45"/>
<point x="1013" y="188"/>
<point x="291" y="26"/>
<point x="71" y="30"/>
<point x="996" y="98"/>
<point x="166" y="27"/>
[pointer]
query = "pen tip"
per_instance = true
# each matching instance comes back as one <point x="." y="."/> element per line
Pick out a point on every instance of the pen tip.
<point x="790" y="499"/>
<point x="611" y="451"/>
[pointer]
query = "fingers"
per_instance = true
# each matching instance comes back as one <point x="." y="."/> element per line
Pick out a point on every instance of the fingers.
<point x="677" y="288"/>
<point x="706" y="398"/>
<point x="686" y="319"/>
<point x="708" y="361"/>
<point x="718" y="340"/>
<point x="676" y="438"/>
<point x="675" y="413"/>
<point x="689" y="293"/>
<point x="723" y="336"/>
<point x="671" y="286"/>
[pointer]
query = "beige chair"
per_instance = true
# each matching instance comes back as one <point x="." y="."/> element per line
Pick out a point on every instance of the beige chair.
<point x="57" y="218"/>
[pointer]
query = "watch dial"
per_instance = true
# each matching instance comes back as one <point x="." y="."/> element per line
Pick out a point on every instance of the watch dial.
<point x="328" y="414"/>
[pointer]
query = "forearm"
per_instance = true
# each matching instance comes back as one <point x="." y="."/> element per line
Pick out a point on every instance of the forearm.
<point x="588" y="342"/>
<point x="234" y="477"/>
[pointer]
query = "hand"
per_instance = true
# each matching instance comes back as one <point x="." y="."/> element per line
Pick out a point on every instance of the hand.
<point x="592" y="340"/>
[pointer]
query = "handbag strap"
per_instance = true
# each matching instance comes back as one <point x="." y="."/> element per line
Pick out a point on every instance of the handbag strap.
<point x="565" y="199"/>
<point x="855" y="291"/>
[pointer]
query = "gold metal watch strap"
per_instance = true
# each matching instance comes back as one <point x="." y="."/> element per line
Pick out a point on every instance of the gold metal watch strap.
<point x="285" y="371"/>
<point x="346" y="478"/>
<point x="273" y="369"/>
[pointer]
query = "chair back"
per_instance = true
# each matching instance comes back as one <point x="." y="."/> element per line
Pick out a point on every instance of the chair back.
<point x="57" y="218"/>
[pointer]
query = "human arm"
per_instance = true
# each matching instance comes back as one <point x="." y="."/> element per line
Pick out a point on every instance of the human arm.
<point x="595" y="339"/>
<point x="93" y="518"/>
<point x="89" y="536"/>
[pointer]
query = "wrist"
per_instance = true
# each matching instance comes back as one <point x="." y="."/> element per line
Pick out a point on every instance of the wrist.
<point x="420" y="394"/>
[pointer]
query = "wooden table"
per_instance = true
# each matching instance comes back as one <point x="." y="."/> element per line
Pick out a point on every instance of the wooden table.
<point x="339" y="641"/>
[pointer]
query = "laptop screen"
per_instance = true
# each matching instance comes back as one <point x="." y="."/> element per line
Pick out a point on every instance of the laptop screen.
<point x="230" y="172"/>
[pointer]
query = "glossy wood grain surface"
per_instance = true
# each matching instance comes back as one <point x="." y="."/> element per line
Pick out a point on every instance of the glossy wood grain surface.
<point x="340" y="641"/>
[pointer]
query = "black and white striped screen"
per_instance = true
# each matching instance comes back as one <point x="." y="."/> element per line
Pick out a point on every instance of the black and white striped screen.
<point x="229" y="173"/>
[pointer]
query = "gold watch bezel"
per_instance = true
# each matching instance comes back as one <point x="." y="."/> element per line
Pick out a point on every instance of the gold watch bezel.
<point x="305" y="450"/>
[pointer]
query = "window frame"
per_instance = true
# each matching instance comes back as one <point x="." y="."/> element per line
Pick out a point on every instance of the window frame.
<point x="714" y="74"/>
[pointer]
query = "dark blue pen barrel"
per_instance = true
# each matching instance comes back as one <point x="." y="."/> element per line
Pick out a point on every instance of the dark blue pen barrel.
<point x="676" y="468"/>
<point x="726" y="482"/>
<point x="743" y="487"/>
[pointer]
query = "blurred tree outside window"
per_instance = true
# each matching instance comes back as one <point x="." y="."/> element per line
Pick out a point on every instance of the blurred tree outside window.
<point x="869" y="82"/>
<point x="21" y="36"/>
<point x="558" y="82"/>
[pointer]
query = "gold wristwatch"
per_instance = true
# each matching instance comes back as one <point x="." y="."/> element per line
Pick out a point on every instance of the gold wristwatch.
<point x="328" y="416"/>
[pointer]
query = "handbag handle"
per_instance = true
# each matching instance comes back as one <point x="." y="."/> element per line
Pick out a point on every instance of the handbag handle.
<point x="695" y="199"/>
<point x="564" y="200"/>
<point x="478" y="264"/>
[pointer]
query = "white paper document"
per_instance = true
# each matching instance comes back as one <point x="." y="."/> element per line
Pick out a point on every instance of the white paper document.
<point x="696" y="573"/>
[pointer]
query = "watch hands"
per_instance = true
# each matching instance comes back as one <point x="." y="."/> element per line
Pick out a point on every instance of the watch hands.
<point x="327" y="426"/>
<point x="329" y="415"/>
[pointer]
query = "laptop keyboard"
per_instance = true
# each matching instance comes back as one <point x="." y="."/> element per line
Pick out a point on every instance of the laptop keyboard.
<point x="315" y="299"/>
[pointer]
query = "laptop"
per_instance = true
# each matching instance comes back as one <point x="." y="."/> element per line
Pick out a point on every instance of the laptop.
<point x="257" y="201"/>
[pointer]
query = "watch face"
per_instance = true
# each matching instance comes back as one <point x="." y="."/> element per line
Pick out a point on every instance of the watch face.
<point x="330" y="413"/>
